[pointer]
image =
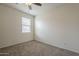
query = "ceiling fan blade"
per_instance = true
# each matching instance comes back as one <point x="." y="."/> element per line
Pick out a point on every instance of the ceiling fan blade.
<point x="39" y="4"/>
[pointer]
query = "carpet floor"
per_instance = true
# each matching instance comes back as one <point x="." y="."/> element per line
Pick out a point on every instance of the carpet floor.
<point x="35" y="48"/>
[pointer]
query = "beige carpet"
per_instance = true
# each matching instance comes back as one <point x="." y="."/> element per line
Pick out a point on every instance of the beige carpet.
<point x="35" y="48"/>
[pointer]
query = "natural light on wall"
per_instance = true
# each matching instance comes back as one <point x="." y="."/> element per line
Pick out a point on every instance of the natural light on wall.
<point x="26" y="25"/>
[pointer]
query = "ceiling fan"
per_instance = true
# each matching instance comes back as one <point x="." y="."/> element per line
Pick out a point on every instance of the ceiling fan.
<point x="29" y="5"/>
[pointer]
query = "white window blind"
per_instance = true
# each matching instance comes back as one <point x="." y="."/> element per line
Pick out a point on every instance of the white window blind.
<point x="26" y="25"/>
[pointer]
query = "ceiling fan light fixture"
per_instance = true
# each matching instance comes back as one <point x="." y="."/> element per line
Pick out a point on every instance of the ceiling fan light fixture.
<point x="28" y="4"/>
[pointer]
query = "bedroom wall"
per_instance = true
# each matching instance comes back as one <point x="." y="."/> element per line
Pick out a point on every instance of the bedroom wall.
<point x="59" y="26"/>
<point x="10" y="27"/>
<point x="0" y="28"/>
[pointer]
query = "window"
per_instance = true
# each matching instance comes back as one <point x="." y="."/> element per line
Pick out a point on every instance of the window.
<point x="26" y="25"/>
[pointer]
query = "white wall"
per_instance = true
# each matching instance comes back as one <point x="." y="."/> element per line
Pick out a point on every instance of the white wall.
<point x="59" y="26"/>
<point x="10" y="30"/>
<point x="0" y="27"/>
